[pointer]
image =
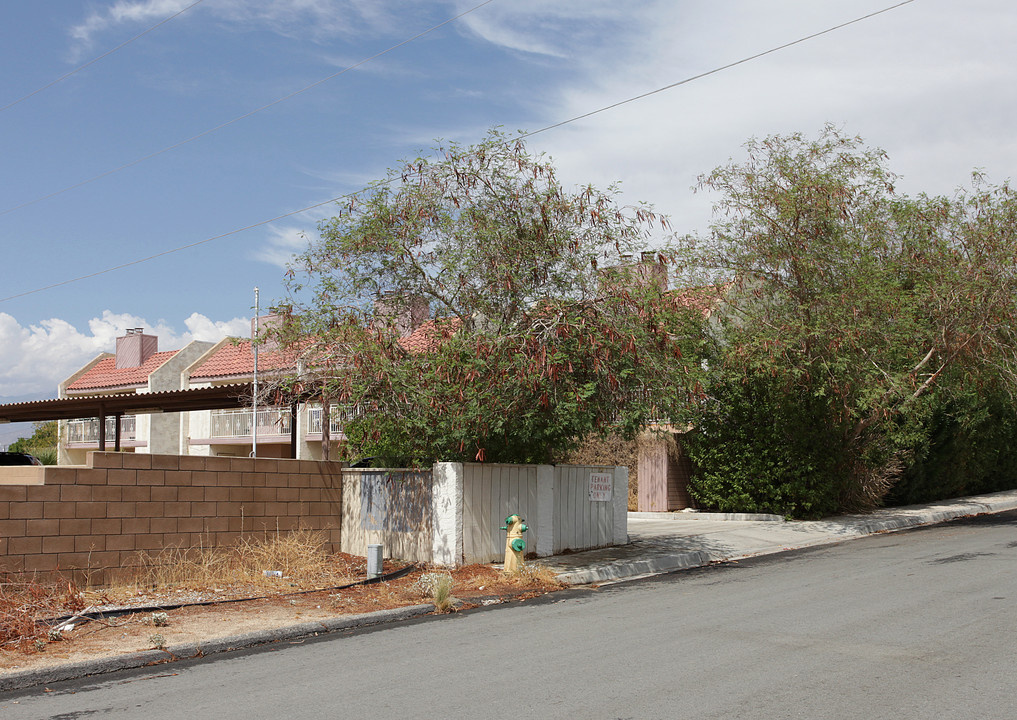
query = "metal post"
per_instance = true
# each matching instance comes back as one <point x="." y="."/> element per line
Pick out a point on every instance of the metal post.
<point x="254" y="343"/>
<point x="374" y="560"/>
<point x="293" y="429"/>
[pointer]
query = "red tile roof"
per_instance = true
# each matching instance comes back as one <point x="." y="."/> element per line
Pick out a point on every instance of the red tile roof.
<point x="237" y="361"/>
<point x="106" y="375"/>
<point x="430" y="334"/>
<point x="705" y="298"/>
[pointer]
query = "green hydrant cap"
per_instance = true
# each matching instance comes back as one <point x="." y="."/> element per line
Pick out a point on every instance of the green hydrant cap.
<point x="518" y="544"/>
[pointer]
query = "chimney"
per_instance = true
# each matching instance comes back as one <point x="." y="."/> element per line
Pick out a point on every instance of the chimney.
<point x="647" y="272"/>
<point x="407" y="313"/>
<point x="135" y="347"/>
<point x="275" y="319"/>
<point x="651" y="271"/>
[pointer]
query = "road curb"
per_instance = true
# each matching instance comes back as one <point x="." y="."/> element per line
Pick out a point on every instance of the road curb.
<point x="680" y="515"/>
<point x="184" y="651"/>
<point x="848" y="527"/>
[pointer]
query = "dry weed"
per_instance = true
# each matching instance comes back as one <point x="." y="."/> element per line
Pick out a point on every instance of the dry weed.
<point x="24" y="603"/>
<point x="537" y="576"/>
<point x="296" y="559"/>
<point x="438" y="587"/>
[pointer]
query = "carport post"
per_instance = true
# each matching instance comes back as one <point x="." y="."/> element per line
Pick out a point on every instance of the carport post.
<point x="116" y="433"/>
<point x="293" y="430"/>
<point x="102" y="428"/>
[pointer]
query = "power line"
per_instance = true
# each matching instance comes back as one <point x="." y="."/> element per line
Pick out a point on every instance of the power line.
<point x="717" y="69"/>
<point x="246" y="115"/>
<point x="97" y="59"/>
<point x="350" y="195"/>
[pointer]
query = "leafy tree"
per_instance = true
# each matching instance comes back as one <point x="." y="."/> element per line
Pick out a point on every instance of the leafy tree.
<point x="845" y="291"/>
<point x="543" y="332"/>
<point x="42" y="443"/>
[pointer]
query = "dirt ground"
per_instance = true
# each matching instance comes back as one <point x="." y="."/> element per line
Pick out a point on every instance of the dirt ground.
<point x="472" y="585"/>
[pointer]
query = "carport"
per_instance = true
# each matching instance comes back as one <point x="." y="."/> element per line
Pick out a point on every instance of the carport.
<point x="220" y="397"/>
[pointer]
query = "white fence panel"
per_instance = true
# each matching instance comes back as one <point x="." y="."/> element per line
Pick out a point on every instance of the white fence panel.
<point x="490" y="494"/>
<point x="580" y="522"/>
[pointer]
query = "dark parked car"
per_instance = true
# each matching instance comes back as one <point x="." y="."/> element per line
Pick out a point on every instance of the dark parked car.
<point x="381" y="462"/>
<point x="16" y="458"/>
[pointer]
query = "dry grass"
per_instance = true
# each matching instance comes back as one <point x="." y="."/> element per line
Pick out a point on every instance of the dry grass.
<point x="437" y="586"/>
<point x="537" y="576"/>
<point x="472" y="586"/>
<point x="301" y="557"/>
<point x="24" y="604"/>
<point x="297" y="559"/>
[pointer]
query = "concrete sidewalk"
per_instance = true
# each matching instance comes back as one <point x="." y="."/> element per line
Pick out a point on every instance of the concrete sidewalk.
<point x="664" y="542"/>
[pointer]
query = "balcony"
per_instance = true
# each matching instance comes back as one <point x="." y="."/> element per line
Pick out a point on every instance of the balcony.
<point x="239" y="423"/>
<point x="86" y="430"/>
<point x="338" y="415"/>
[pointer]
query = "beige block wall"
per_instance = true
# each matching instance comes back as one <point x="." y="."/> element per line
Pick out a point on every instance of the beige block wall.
<point x="87" y="520"/>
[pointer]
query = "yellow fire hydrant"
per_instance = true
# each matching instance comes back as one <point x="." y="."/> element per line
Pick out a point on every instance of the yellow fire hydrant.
<point x="514" y="543"/>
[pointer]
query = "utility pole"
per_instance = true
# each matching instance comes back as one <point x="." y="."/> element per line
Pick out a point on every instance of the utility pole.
<point x="254" y="344"/>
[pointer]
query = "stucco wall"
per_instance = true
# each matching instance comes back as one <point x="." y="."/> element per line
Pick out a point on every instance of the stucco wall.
<point x="390" y="507"/>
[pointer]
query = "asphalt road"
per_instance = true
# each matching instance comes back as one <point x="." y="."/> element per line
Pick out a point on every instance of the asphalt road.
<point x="919" y="624"/>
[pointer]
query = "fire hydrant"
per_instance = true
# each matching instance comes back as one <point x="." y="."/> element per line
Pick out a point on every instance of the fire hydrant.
<point x="514" y="543"/>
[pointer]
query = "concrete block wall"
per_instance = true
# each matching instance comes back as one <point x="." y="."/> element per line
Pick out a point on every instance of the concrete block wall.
<point x="86" y="520"/>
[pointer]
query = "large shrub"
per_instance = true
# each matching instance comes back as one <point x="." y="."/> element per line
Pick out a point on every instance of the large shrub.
<point x="759" y="447"/>
<point x="863" y="305"/>
<point x="969" y="447"/>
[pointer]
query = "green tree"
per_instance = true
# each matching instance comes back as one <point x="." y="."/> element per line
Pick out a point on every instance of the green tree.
<point x="847" y="291"/>
<point x="42" y="443"/>
<point x="544" y="331"/>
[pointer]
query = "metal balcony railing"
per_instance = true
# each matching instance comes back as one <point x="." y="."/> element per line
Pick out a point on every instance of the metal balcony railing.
<point x="86" y="430"/>
<point x="338" y="415"/>
<point x="239" y="423"/>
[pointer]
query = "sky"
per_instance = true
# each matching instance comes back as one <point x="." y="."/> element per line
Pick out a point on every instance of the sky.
<point x="189" y="128"/>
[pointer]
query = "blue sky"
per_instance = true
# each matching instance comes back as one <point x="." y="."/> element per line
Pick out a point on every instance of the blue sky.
<point x="933" y="82"/>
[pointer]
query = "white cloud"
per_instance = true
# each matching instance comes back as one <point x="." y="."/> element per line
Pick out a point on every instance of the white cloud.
<point x="124" y="12"/>
<point x="306" y="19"/>
<point x="928" y="82"/>
<point x="283" y="243"/>
<point x="37" y="358"/>
<point x="559" y="29"/>
<point x="200" y="327"/>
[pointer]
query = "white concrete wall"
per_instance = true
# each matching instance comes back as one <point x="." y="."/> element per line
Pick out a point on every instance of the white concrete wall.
<point x="390" y="507"/>
<point x="454" y="514"/>
<point x="447" y="514"/>
<point x="164" y="429"/>
<point x="306" y="449"/>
